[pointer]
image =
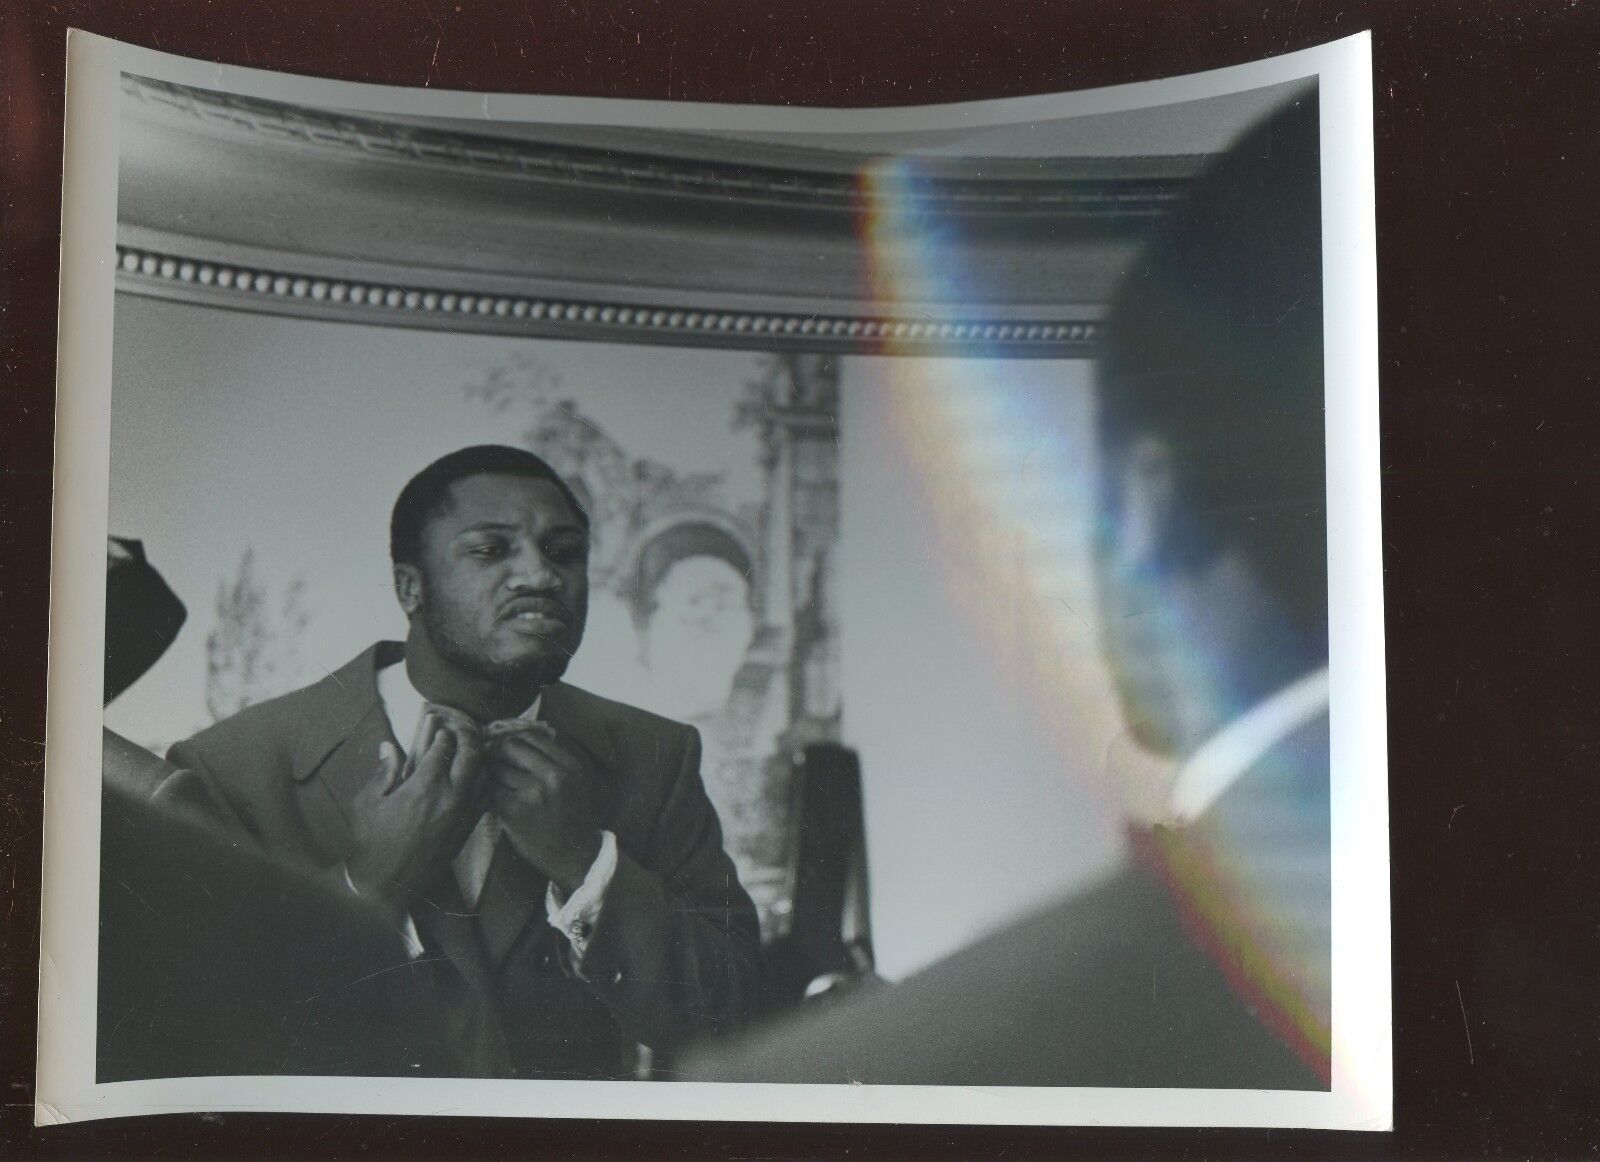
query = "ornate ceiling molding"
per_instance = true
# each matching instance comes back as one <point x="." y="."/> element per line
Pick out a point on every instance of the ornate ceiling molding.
<point x="593" y="234"/>
<point x="1082" y="188"/>
<point x="423" y="304"/>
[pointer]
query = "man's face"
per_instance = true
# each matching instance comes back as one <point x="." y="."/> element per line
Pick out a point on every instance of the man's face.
<point x="1146" y="640"/>
<point x="503" y="588"/>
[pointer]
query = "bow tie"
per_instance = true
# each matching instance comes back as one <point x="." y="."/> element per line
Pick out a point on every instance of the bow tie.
<point x="526" y="722"/>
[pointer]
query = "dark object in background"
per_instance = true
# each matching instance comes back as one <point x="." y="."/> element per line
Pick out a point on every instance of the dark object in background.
<point x="143" y="615"/>
<point x="821" y="953"/>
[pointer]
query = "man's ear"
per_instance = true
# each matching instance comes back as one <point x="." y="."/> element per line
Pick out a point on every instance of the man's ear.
<point x="408" y="587"/>
<point x="1147" y="480"/>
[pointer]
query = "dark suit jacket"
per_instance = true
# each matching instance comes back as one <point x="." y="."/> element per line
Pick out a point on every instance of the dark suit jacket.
<point x="674" y="955"/>
<point x="1143" y="981"/>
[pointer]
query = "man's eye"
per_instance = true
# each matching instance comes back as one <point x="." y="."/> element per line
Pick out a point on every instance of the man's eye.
<point x="489" y="552"/>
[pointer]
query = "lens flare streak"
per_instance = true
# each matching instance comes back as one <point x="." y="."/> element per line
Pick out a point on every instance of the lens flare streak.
<point x="1007" y="492"/>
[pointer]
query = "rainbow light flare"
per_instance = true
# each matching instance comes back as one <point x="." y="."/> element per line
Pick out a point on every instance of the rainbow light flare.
<point x="1007" y="556"/>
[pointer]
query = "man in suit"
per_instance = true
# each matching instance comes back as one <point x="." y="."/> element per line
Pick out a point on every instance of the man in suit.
<point x="550" y="855"/>
<point x="1206" y="960"/>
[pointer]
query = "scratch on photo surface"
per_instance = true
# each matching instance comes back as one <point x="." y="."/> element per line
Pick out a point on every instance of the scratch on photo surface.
<point x="381" y="971"/>
<point x="438" y="40"/>
<point x="209" y="893"/>
<point x="1071" y="610"/>
<point x="433" y="63"/>
<point x="1465" y="1024"/>
<point x="124" y="1017"/>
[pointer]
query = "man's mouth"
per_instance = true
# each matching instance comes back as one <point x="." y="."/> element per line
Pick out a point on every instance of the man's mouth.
<point x="536" y="617"/>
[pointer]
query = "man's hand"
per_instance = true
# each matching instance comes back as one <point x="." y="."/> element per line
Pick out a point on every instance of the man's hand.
<point x="540" y="790"/>
<point x="412" y="817"/>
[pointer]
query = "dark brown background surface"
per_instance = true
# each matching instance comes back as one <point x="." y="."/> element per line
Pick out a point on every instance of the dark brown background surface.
<point x="1488" y="154"/>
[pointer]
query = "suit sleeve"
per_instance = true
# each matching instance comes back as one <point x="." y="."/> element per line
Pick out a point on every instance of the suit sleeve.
<point x="198" y="793"/>
<point x="676" y="951"/>
<point x="194" y="791"/>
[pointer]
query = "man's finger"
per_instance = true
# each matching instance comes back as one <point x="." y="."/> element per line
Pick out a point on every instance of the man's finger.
<point x="532" y="750"/>
<point x="504" y="780"/>
<point x="466" y="761"/>
<point x="390" y="765"/>
<point x="421" y="737"/>
<point x="506" y="727"/>
<point x="451" y="715"/>
<point x="513" y="751"/>
<point x="433" y="766"/>
<point x="507" y="798"/>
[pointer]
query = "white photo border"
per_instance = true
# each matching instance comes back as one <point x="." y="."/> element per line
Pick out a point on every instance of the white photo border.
<point x="1362" y="1071"/>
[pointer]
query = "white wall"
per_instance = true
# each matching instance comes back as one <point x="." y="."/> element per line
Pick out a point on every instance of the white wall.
<point x="972" y="682"/>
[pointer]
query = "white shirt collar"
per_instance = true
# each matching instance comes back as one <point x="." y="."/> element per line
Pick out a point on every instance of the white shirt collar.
<point x="1237" y="747"/>
<point x="404" y="703"/>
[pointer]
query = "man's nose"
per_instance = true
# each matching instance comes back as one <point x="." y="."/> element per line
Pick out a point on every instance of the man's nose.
<point x="532" y="573"/>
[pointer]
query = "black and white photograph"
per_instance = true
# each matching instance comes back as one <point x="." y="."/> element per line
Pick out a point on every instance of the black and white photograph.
<point x="634" y="609"/>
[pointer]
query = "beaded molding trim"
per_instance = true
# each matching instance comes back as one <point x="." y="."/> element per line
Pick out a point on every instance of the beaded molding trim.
<point x="276" y="291"/>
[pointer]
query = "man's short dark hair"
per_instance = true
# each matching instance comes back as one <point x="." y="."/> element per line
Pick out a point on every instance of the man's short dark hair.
<point x="1214" y="345"/>
<point x="426" y="493"/>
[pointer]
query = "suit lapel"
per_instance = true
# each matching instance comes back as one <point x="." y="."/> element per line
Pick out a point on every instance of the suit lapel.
<point x="336" y="741"/>
<point x="587" y="736"/>
<point x="445" y="922"/>
<point x="470" y="998"/>
<point x="512" y="899"/>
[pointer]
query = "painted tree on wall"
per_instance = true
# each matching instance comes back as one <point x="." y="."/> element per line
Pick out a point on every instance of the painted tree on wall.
<point x="253" y="649"/>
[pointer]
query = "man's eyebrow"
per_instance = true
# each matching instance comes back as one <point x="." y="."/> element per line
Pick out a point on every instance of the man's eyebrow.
<point x="497" y="526"/>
